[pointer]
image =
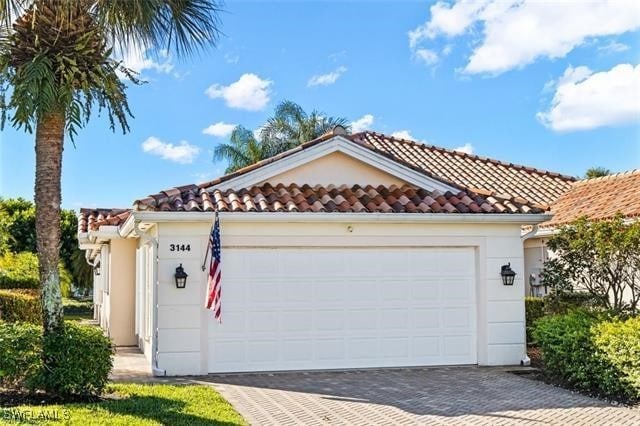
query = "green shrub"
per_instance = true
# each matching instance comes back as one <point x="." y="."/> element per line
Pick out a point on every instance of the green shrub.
<point x="619" y="342"/>
<point x="534" y="309"/>
<point x="20" y="346"/>
<point x="21" y="271"/>
<point x="560" y="302"/>
<point x="20" y="305"/>
<point x="571" y="354"/>
<point x="81" y="358"/>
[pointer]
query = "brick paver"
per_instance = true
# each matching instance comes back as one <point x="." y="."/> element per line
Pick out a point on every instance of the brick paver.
<point x="438" y="396"/>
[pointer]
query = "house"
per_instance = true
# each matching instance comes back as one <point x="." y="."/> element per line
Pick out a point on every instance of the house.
<point x="349" y="251"/>
<point x="597" y="199"/>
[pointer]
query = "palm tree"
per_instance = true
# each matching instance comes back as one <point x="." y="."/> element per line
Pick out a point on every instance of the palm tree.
<point x="289" y="127"/>
<point x="242" y="150"/>
<point x="595" y="172"/>
<point x="56" y="67"/>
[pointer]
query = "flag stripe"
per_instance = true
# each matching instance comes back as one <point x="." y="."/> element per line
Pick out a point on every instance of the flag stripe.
<point x="214" y="281"/>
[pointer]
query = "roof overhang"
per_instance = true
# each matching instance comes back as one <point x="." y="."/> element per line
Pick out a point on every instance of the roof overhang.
<point x="335" y="144"/>
<point x="497" y="218"/>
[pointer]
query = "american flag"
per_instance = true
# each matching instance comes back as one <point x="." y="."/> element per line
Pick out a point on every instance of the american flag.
<point x="215" y="272"/>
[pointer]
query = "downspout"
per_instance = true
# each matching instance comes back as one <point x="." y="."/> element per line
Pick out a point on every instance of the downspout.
<point x="154" y="315"/>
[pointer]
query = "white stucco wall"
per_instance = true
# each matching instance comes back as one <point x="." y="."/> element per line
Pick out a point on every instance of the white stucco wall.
<point x="336" y="167"/>
<point x="183" y="322"/>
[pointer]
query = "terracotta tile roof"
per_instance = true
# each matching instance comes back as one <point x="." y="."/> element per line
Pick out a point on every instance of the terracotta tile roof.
<point x="481" y="175"/>
<point x="92" y="219"/>
<point x="478" y="174"/>
<point x="599" y="198"/>
<point x="305" y="198"/>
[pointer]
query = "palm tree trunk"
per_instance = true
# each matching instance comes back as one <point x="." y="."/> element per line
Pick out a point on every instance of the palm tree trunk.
<point x="49" y="145"/>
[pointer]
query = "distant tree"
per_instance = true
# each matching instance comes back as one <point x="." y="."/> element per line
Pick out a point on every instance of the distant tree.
<point x="601" y="258"/>
<point x="242" y="150"/>
<point x="18" y="234"/>
<point x="289" y="127"/>
<point x="596" y="172"/>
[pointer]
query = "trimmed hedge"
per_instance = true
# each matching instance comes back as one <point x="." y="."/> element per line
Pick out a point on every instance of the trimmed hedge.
<point x="80" y="355"/>
<point x="20" y="305"/>
<point x="534" y="309"/>
<point x="592" y="351"/>
<point x="21" y="349"/>
<point x="21" y="271"/>
<point x="619" y="342"/>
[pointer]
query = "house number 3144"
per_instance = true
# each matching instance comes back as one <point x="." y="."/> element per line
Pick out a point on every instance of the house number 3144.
<point x="179" y="247"/>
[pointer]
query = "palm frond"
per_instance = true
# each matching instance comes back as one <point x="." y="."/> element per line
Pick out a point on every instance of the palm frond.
<point x="184" y="26"/>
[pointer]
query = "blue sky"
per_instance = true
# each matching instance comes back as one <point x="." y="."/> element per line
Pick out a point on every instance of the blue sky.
<point x="555" y="86"/>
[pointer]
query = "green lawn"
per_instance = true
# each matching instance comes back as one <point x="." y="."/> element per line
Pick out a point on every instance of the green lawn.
<point x="129" y="404"/>
<point x="77" y="310"/>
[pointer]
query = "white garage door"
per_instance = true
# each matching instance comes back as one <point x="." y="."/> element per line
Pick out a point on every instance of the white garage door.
<point x="323" y="308"/>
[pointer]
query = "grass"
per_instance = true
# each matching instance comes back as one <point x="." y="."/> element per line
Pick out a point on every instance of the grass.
<point x="77" y="310"/>
<point x="133" y="404"/>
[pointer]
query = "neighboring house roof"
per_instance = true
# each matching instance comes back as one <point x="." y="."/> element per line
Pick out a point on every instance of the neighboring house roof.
<point x="331" y="198"/>
<point x="599" y="198"/>
<point x="92" y="219"/>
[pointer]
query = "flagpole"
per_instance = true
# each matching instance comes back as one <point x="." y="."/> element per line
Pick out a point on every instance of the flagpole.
<point x="206" y="253"/>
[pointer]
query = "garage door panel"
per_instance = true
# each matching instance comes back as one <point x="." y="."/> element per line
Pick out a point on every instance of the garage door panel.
<point x="324" y="315"/>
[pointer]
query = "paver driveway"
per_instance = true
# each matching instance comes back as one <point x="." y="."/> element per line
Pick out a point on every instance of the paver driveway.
<point x="460" y="395"/>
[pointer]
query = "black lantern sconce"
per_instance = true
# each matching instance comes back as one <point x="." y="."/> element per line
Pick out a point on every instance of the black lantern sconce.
<point x="181" y="277"/>
<point x="508" y="275"/>
<point x="96" y="269"/>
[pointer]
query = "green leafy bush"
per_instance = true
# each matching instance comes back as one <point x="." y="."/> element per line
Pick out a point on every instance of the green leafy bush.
<point x="619" y="342"/>
<point x="561" y="302"/>
<point x="20" y="305"/>
<point x="534" y="309"/>
<point x="582" y="349"/>
<point x="21" y="271"/>
<point x="81" y="358"/>
<point x="21" y="347"/>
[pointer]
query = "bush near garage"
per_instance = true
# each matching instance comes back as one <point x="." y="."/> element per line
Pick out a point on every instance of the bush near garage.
<point x="592" y="351"/>
<point x="82" y="359"/>
<point x="534" y="309"/>
<point x="20" y="305"/>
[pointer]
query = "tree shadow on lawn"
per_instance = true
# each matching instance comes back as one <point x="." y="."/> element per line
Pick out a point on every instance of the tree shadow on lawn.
<point x="159" y="409"/>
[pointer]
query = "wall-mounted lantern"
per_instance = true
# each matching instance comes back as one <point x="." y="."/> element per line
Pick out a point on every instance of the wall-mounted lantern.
<point x="96" y="269"/>
<point x="508" y="275"/>
<point x="181" y="277"/>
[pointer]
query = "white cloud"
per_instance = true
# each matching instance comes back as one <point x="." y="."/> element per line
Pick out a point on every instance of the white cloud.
<point x="182" y="153"/>
<point x="585" y="100"/>
<point x="219" y="129"/>
<point x="518" y="32"/>
<point x="403" y="134"/>
<point x="326" y="79"/>
<point x="362" y="124"/>
<point x="136" y="59"/>
<point x="613" y="47"/>
<point x="427" y="56"/>
<point x="231" y="58"/>
<point x="467" y="148"/>
<point x="250" y="92"/>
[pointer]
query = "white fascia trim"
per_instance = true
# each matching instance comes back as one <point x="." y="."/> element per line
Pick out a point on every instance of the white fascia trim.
<point x="335" y="144"/>
<point x="105" y="233"/>
<point x="526" y="219"/>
